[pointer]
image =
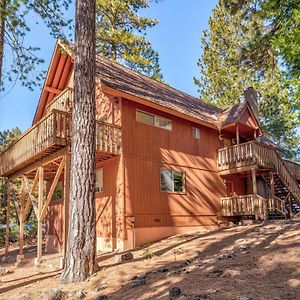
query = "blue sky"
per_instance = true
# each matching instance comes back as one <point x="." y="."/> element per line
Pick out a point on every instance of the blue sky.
<point x="176" y="38"/>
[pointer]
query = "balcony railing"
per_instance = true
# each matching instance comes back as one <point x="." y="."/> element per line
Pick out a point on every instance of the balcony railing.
<point x="50" y="134"/>
<point x="256" y="154"/>
<point x="108" y="138"/>
<point x="243" y="205"/>
<point x="52" y="131"/>
<point x="294" y="168"/>
<point x="250" y="205"/>
<point x="61" y="102"/>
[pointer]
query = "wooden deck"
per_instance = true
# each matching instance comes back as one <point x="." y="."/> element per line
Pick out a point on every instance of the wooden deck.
<point x="61" y="102"/>
<point x="46" y="137"/>
<point x="251" y="205"/>
<point x="108" y="140"/>
<point x="244" y="157"/>
<point x="51" y="134"/>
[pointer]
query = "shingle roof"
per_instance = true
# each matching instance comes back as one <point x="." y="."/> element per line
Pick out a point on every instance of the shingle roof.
<point x="119" y="77"/>
<point x="123" y="79"/>
<point x="231" y="114"/>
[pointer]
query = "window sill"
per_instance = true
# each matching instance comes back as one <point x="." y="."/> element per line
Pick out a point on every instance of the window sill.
<point x="176" y="193"/>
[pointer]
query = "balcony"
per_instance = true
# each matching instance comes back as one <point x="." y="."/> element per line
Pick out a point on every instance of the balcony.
<point x="52" y="133"/>
<point x="108" y="140"/>
<point x="61" y="102"/>
<point x="245" y="155"/>
<point x="48" y="135"/>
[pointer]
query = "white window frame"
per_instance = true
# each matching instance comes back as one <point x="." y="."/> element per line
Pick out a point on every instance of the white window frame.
<point x="196" y="133"/>
<point x="155" y="120"/>
<point x="173" y="183"/>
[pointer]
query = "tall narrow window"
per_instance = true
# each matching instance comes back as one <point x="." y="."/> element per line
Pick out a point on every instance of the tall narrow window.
<point x="172" y="181"/>
<point x="99" y="180"/>
<point x="196" y="133"/>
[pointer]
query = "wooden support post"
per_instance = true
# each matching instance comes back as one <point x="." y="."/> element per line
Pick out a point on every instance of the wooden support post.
<point x="66" y="201"/>
<point x="7" y="216"/>
<point x="291" y="206"/>
<point x="237" y="134"/>
<point x="21" y="235"/>
<point x="40" y="221"/>
<point x="272" y="191"/>
<point x="253" y="172"/>
<point x="254" y="188"/>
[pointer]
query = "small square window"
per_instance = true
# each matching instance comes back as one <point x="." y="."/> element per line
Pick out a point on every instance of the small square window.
<point x="196" y="133"/>
<point x="99" y="180"/>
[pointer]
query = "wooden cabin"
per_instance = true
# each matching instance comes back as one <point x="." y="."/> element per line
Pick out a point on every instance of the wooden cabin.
<point x="167" y="162"/>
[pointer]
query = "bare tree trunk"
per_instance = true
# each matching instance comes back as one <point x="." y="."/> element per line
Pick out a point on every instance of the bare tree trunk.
<point x="80" y="259"/>
<point x="2" y="30"/>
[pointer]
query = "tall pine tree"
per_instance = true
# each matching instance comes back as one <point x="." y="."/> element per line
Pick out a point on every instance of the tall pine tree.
<point x="121" y="35"/>
<point x="224" y="75"/>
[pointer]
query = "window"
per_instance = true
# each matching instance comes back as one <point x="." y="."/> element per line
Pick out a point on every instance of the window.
<point x="172" y="181"/>
<point x="150" y="119"/>
<point x="162" y="123"/>
<point x="196" y="133"/>
<point x="99" y="180"/>
<point x="144" y="117"/>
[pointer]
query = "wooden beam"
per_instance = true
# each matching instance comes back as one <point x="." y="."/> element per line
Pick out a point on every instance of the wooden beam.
<point x="30" y="195"/>
<point x="40" y="206"/>
<point x="272" y="191"/>
<point x="254" y="187"/>
<point x="21" y="235"/>
<point x="17" y="208"/>
<point x="290" y="204"/>
<point x="254" y="184"/>
<point x="52" y="188"/>
<point x="40" y="163"/>
<point x="7" y="217"/>
<point x="237" y="133"/>
<point x="52" y="90"/>
<point x="237" y="169"/>
<point x="66" y="201"/>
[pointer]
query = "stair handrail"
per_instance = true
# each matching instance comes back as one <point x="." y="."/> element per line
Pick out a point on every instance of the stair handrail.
<point x="277" y="163"/>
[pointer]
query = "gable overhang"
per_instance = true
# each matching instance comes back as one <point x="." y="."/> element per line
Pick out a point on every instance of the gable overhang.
<point x="58" y="76"/>
<point x="254" y="126"/>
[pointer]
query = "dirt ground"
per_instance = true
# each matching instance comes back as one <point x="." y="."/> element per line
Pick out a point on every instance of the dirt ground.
<point x="255" y="261"/>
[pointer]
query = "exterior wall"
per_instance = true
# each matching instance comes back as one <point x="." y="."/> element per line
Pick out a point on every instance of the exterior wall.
<point x="108" y="107"/>
<point x="239" y="184"/>
<point x="146" y="149"/>
<point x="54" y="227"/>
<point x="109" y="207"/>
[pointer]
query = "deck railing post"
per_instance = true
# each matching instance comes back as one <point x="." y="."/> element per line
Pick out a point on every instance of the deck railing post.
<point x="40" y="206"/>
<point x="7" y="215"/>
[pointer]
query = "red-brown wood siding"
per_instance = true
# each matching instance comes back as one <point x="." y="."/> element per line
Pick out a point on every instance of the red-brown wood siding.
<point x="109" y="203"/>
<point x="147" y="148"/>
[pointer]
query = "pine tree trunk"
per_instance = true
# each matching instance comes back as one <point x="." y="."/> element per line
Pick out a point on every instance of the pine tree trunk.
<point x="80" y="259"/>
<point x="2" y="30"/>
